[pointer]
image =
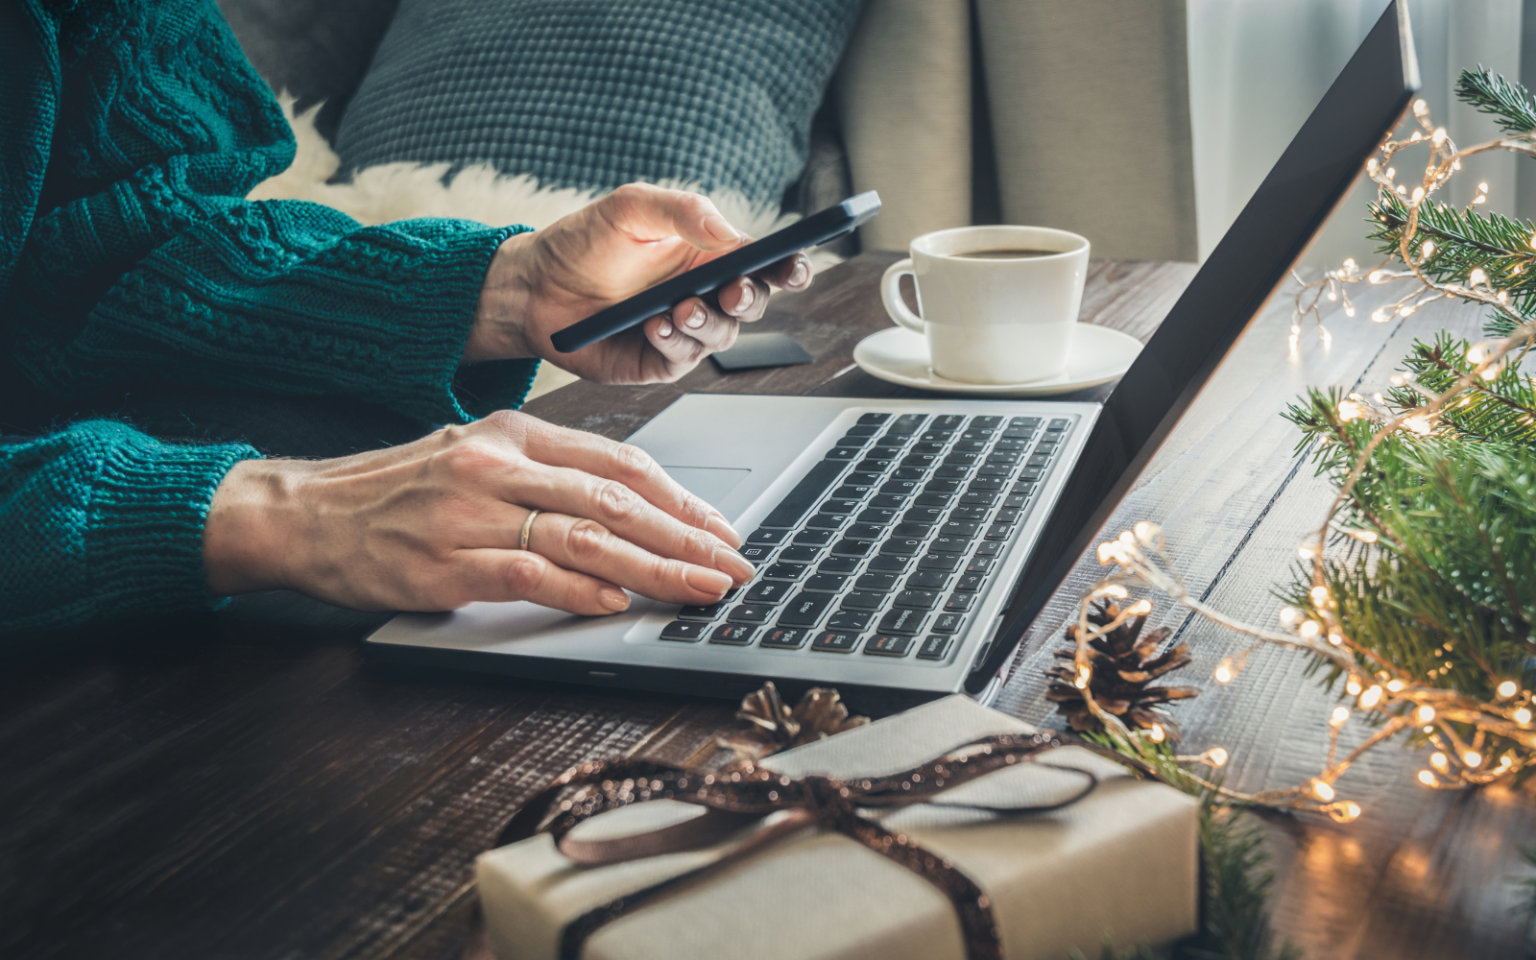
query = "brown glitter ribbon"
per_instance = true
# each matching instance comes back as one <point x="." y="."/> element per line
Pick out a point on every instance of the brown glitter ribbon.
<point x="750" y="792"/>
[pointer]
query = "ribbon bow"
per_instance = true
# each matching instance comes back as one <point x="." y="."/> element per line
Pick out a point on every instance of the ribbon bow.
<point x="750" y="792"/>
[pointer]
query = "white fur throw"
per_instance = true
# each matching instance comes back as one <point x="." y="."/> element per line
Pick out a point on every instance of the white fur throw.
<point x="403" y="191"/>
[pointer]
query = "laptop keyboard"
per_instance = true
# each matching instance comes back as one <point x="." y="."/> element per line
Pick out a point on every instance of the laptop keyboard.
<point x="889" y="543"/>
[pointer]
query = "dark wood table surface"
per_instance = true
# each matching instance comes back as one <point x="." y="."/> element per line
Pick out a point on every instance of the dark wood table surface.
<point x="248" y="785"/>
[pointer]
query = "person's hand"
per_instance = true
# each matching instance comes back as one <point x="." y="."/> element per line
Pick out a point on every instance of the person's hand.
<point x="435" y="524"/>
<point x="610" y="250"/>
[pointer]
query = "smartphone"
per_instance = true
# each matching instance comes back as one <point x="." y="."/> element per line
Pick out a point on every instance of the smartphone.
<point x="812" y="231"/>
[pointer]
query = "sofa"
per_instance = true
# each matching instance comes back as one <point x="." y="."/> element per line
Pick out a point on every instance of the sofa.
<point x="1064" y="113"/>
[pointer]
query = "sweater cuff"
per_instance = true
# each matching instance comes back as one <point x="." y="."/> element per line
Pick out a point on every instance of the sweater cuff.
<point x="426" y="363"/>
<point x="144" y="546"/>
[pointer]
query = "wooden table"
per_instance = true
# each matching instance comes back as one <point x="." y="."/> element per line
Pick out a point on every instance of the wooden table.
<point x="247" y="785"/>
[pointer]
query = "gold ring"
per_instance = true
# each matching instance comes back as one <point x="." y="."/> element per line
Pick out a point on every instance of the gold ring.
<point x="522" y="539"/>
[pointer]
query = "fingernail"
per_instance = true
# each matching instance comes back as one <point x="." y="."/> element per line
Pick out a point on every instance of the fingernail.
<point x="735" y="565"/>
<point x="613" y="598"/>
<point x="799" y="275"/>
<point x="747" y="296"/>
<point x="720" y="227"/>
<point x="712" y="582"/>
<point x="696" y="318"/>
<point x="718" y="526"/>
<point x="665" y="330"/>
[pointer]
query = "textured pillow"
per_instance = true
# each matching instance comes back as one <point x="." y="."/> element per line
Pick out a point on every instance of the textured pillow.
<point x="592" y="94"/>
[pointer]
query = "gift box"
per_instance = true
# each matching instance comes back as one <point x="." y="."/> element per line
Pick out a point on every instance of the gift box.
<point x="1121" y="860"/>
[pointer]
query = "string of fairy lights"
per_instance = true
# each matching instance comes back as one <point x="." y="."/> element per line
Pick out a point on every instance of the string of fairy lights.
<point x="1397" y="700"/>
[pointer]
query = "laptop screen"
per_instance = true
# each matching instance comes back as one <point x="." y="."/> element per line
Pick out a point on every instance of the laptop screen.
<point x="1312" y="176"/>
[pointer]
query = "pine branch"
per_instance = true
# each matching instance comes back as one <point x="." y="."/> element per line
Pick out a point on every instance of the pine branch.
<point x="1509" y="103"/>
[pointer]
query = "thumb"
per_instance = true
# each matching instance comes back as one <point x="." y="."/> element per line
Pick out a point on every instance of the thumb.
<point x="648" y="213"/>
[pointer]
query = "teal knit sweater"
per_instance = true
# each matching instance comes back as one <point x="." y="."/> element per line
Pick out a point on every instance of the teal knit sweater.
<point x="130" y="132"/>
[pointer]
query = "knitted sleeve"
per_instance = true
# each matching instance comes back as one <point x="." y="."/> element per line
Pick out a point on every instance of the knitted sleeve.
<point x="100" y="521"/>
<point x="144" y="265"/>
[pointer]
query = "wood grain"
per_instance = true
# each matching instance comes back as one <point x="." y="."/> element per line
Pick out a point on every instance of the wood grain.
<point x="247" y="785"/>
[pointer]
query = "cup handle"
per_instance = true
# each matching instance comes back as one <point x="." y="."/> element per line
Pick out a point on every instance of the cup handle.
<point x="890" y="292"/>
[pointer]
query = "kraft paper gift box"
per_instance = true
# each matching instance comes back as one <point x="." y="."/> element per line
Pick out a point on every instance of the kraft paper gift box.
<point x="1123" y="859"/>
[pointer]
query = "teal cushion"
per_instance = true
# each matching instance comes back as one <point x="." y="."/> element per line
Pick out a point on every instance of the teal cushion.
<point x="597" y="93"/>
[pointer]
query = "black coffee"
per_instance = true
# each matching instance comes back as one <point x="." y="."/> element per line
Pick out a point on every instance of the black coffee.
<point x="1017" y="254"/>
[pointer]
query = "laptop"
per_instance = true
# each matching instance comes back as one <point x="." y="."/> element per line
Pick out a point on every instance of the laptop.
<point x="903" y="547"/>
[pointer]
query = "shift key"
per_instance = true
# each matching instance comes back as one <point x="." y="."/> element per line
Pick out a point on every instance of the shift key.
<point x="805" y="610"/>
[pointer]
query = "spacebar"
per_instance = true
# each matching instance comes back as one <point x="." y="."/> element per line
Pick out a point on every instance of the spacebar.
<point x="806" y="493"/>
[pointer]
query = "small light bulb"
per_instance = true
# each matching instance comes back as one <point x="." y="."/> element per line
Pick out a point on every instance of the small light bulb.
<point x="1345" y="812"/>
<point x="1340" y="716"/>
<point x="1289" y="615"/>
<point x="1147" y="532"/>
<point x="1084" y="674"/>
<point x="1472" y="758"/>
<point x="1427" y="778"/>
<point x="1439" y="135"/>
<point x="1379" y="276"/>
<point x="1217" y="756"/>
<point x="1508" y="688"/>
<point x="1523" y="716"/>
<point x="1482" y="187"/>
<point x="1322" y="790"/>
<point x="1418" y="194"/>
<point x="1140" y="608"/>
<point x="1396" y="686"/>
<point x="1224" y="672"/>
<point x="1425" y="714"/>
<point x="1380" y="315"/>
<point x="1310" y="629"/>
<point x="1106" y="554"/>
<point x="1157" y="733"/>
<point x="1438" y="761"/>
<point x="1353" y="686"/>
<point x="1428" y="249"/>
<point x="1319" y="595"/>
<point x="1335" y="637"/>
<point x="1419" y="424"/>
<point x="1370" y="698"/>
<point x="1476" y="277"/>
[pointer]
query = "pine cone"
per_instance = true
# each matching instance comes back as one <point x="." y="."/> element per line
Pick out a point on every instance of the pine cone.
<point x="771" y="726"/>
<point x="1123" y="666"/>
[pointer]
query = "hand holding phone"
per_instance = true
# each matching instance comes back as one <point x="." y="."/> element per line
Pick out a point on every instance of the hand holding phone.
<point x="630" y="240"/>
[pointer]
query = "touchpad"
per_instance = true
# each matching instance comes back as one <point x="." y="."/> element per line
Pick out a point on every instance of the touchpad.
<point x="711" y="484"/>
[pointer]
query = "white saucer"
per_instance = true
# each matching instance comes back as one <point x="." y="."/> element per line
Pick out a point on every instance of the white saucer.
<point x="1097" y="355"/>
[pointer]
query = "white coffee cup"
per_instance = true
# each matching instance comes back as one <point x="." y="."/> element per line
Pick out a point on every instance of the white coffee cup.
<point x="994" y="320"/>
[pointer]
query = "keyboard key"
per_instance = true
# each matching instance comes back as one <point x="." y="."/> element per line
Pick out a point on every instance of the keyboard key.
<point x="912" y="531"/>
<point x="1007" y="515"/>
<point x="1007" y="456"/>
<point x="925" y="515"/>
<point x="1000" y="531"/>
<point x="876" y="582"/>
<point x="826" y="583"/>
<point x="872" y="465"/>
<point x="733" y="633"/>
<point x="934" y="499"/>
<point x="750" y="613"/>
<point x="861" y="479"/>
<point x="843" y="453"/>
<point x="826" y="521"/>
<point x="1038" y="460"/>
<point x="850" y="620"/>
<point x="904" y="620"/>
<point x="849" y="491"/>
<point x="884" y="452"/>
<point x="765" y="535"/>
<point x="970" y="582"/>
<point x="907" y="424"/>
<point x="835" y="641"/>
<point x="873" y="418"/>
<point x="958" y="529"/>
<point x="986" y="423"/>
<point x="1007" y="444"/>
<point x="949" y="421"/>
<point x="768" y="591"/>
<point x="854" y="441"/>
<point x="881" y="517"/>
<point x="815" y="538"/>
<point x="887" y="501"/>
<point x="939" y="563"/>
<point x="784" y="571"/>
<point x="929" y="446"/>
<point x="800" y="554"/>
<point x="755" y="553"/>
<point x="980" y="498"/>
<point x="927" y="580"/>
<point x="852" y="548"/>
<point x="969" y="513"/>
<point x="959" y="602"/>
<point x="1059" y="424"/>
<point x="805" y="609"/>
<point x="901" y="488"/>
<point x="863" y="600"/>
<point x="962" y="458"/>
<point x="890" y="564"/>
<point x="953" y="471"/>
<point x="980" y="564"/>
<point x="703" y="614"/>
<point x="889" y="645"/>
<point x="949" y="623"/>
<point x="933" y="648"/>
<point x="863" y="429"/>
<point x="1015" y="501"/>
<point x="984" y="485"/>
<point x="922" y="461"/>
<point x="909" y="473"/>
<point x="782" y="638"/>
<point x="842" y="565"/>
<point x="949" y="545"/>
<point x="901" y="547"/>
<point x="1001" y="471"/>
<point x="969" y="445"/>
<point x="1031" y="474"/>
<point x="1024" y="488"/>
<point x="942" y="486"/>
<point x="805" y="494"/>
<point x="684" y="631"/>
<point x="866" y="531"/>
<point x="917" y="599"/>
<point x="840" y="506"/>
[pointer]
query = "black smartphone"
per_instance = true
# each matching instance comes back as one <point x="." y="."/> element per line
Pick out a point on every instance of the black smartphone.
<point x="812" y="231"/>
